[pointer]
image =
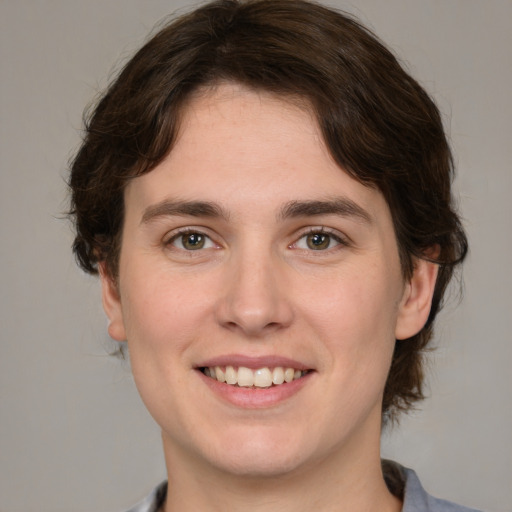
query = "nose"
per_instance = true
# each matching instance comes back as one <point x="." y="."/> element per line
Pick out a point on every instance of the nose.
<point x="256" y="295"/>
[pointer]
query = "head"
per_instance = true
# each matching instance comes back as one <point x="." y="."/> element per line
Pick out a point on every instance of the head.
<point x="377" y="123"/>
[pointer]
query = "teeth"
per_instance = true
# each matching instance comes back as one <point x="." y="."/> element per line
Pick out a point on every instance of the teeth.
<point x="247" y="378"/>
<point x="219" y="374"/>
<point x="231" y="375"/>
<point x="263" y="378"/>
<point x="278" y="376"/>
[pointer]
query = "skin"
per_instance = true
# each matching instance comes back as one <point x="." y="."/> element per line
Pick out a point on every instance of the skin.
<point x="257" y="289"/>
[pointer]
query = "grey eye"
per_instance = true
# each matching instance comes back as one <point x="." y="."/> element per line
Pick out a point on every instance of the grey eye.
<point x="318" y="241"/>
<point x="193" y="241"/>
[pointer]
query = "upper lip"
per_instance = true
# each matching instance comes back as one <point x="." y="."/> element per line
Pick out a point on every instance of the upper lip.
<point x="252" y="362"/>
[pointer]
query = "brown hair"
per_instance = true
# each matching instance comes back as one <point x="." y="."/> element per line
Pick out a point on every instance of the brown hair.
<point x="378" y="123"/>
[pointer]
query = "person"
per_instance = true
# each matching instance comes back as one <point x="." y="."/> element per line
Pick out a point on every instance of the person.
<point x="266" y="196"/>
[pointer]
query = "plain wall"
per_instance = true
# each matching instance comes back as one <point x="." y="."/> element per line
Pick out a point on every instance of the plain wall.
<point x="74" y="435"/>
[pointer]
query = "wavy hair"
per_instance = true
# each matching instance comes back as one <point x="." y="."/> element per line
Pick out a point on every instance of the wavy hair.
<point x="378" y="123"/>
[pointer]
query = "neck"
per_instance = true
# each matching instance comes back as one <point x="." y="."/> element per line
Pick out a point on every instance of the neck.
<point x="340" y="482"/>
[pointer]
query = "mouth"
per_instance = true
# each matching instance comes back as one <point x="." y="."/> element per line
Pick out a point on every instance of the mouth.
<point x="265" y="377"/>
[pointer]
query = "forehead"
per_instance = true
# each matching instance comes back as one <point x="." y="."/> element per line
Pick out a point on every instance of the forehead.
<point x="230" y="123"/>
<point x="249" y="150"/>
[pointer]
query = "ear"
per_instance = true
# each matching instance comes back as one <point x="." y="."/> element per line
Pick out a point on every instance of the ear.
<point x="112" y="305"/>
<point x="417" y="299"/>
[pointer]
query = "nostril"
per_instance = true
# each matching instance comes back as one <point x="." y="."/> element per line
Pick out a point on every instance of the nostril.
<point x="231" y="325"/>
<point x="253" y="328"/>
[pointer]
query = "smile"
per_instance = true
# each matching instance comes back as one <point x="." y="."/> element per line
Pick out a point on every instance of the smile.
<point x="248" y="378"/>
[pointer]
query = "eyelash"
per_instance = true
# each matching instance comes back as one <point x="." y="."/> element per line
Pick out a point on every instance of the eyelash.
<point x="187" y="231"/>
<point x="340" y="240"/>
<point x="337" y="237"/>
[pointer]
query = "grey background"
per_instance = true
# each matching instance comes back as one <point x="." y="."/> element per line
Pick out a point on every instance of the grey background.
<point x="74" y="434"/>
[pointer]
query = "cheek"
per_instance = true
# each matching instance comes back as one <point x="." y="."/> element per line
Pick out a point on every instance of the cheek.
<point x="163" y="311"/>
<point x="355" y="314"/>
<point x="150" y="306"/>
<point x="163" y="319"/>
<point x="358" y="299"/>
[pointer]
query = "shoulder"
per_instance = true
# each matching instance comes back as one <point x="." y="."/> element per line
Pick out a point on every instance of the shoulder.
<point x="415" y="498"/>
<point x="153" y="501"/>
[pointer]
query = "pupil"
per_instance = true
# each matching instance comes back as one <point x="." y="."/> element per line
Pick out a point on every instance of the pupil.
<point x="193" y="241"/>
<point x="318" y="241"/>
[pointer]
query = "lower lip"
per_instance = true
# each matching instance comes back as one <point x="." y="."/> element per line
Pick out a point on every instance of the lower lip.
<point x="255" y="398"/>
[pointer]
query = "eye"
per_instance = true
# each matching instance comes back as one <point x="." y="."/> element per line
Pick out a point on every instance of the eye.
<point x="318" y="240"/>
<point x="191" y="241"/>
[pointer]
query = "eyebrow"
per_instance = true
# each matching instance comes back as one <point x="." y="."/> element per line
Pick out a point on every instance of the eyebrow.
<point x="186" y="208"/>
<point x="341" y="206"/>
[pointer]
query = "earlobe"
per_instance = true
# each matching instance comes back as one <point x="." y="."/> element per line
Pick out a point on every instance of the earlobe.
<point x="417" y="299"/>
<point x="112" y="305"/>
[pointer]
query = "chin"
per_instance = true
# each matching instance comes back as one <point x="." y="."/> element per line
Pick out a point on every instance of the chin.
<point x="260" y="455"/>
<point x="260" y="465"/>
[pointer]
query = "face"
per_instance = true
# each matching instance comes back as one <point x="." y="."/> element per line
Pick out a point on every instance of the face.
<point x="249" y="256"/>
